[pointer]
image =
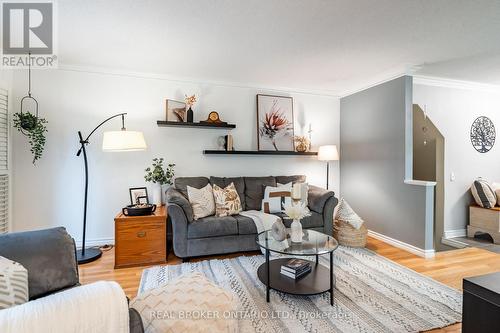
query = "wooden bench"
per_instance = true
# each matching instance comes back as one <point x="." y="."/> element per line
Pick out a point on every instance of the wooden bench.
<point x="484" y="220"/>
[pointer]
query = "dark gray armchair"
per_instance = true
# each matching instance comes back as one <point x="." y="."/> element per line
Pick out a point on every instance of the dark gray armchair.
<point x="50" y="257"/>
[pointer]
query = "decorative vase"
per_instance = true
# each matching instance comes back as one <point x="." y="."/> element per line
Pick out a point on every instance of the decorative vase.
<point x="301" y="147"/>
<point x="190" y="115"/>
<point x="157" y="194"/>
<point x="296" y="231"/>
<point x="278" y="230"/>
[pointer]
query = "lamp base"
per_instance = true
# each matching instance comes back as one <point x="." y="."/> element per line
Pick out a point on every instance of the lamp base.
<point x="91" y="254"/>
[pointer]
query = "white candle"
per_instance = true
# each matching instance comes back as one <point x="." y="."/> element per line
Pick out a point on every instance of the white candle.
<point x="296" y="191"/>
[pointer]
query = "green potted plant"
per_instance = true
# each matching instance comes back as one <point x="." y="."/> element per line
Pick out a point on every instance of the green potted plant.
<point x="159" y="176"/>
<point x="34" y="128"/>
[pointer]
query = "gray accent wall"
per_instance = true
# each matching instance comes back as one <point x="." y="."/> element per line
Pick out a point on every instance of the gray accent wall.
<point x="375" y="155"/>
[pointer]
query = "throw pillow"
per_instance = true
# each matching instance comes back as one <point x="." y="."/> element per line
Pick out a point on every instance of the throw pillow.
<point x="202" y="201"/>
<point x="483" y="194"/>
<point x="276" y="199"/>
<point x="13" y="283"/>
<point x="227" y="200"/>
<point x="346" y="214"/>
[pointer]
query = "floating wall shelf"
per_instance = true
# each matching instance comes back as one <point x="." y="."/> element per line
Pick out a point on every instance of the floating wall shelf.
<point x="259" y="152"/>
<point x="164" y="123"/>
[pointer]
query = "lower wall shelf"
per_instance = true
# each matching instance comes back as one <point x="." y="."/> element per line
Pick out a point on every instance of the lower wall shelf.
<point x="259" y="152"/>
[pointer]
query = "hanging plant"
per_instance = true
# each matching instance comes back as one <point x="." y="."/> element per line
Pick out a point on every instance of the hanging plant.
<point x="34" y="128"/>
<point x="29" y="123"/>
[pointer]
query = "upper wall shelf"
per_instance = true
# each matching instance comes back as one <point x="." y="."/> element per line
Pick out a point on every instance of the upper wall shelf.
<point x="194" y="125"/>
<point x="259" y="152"/>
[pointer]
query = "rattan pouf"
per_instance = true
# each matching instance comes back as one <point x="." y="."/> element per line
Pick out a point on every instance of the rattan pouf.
<point x="347" y="235"/>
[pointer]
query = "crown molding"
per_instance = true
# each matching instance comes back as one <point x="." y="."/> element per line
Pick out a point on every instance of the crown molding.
<point x="456" y="84"/>
<point x="191" y="80"/>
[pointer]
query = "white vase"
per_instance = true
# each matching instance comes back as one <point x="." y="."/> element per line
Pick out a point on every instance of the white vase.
<point x="296" y="231"/>
<point x="157" y="194"/>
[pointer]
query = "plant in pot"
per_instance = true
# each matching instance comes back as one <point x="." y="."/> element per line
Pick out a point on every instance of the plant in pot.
<point x="34" y="128"/>
<point x="159" y="176"/>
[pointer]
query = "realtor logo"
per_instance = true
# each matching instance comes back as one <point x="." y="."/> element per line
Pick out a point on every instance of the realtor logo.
<point x="28" y="27"/>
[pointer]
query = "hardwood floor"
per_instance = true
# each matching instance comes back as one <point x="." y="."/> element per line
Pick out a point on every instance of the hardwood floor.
<point x="447" y="267"/>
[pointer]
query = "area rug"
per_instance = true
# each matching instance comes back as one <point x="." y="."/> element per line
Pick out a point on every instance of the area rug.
<point x="372" y="294"/>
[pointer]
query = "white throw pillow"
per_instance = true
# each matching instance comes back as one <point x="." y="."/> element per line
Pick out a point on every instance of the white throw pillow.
<point x="346" y="214"/>
<point x="276" y="199"/>
<point x="13" y="283"/>
<point x="202" y="201"/>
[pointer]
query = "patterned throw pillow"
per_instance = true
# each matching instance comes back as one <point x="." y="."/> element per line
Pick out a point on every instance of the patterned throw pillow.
<point x="13" y="283"/>
<point x="346" y="214"/>
<point x="483" y="194"/>
<point x="202" y="201"/>
<point x="276" y="199"/>
<point x="227" y="201"/>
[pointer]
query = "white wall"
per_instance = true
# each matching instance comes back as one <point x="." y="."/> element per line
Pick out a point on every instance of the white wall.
<point x="452" y="110"/>
<point x="51" y="193"/>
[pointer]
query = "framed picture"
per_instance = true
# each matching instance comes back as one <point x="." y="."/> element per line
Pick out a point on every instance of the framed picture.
<point x="176" y="111"/>
<point x="275" y="123"/>
<point x="138" y="195"/>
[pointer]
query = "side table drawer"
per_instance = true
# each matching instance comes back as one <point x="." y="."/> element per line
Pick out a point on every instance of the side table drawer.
<point x="140" y="243"/>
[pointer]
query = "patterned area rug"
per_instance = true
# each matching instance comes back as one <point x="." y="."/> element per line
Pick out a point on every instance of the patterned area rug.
<point x="372" y="294"/>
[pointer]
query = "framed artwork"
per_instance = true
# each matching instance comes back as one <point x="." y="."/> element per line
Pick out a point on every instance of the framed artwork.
<point x="138" y="195"/>
<point x="275" y="123"/>
<point x="483" y="134"/>
<point x="176" y="111"/>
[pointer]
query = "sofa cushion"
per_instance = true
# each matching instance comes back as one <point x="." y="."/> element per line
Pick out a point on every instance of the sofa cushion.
<point x="313" y="221"/>
<point x="182" y="183"/>
<point x="227" y="201"/>
<point x="212" y="226"/>
<point x="238" y="182"/>
<point x="246" y="225"/>
<point x="254" y="191"/>
<point x="294" y="179"/>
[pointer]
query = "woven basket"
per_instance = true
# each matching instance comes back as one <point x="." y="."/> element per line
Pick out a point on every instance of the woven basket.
<point x="347" y="235"/>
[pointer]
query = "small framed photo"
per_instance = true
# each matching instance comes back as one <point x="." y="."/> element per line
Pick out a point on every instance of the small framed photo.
<point x="138" y="195"/>
<point x="176" y="111"/>
<point x="275" y="123"/>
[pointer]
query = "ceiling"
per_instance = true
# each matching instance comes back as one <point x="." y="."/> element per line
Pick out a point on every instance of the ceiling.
<point x="332" y="46"/>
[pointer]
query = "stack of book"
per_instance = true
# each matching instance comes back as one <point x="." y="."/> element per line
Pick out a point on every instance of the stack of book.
<point x="296" y="268"/>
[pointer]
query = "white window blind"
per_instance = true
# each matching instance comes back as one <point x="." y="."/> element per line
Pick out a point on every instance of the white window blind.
<point x="4" y="161"/>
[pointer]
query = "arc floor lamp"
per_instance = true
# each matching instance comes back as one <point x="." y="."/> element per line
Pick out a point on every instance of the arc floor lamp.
<point x="122" y="140"/>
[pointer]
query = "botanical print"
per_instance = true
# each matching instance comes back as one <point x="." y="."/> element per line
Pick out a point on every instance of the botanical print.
<point x="176" y="111"/>
<point x="275" y="123"/>
<point x="227" y="200"/>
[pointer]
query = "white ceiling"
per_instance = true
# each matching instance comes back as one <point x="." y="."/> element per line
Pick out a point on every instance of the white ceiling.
<point x="316" y="45"/>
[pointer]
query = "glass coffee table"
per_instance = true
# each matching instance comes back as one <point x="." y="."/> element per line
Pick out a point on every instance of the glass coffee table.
<point x="314" y="244"/>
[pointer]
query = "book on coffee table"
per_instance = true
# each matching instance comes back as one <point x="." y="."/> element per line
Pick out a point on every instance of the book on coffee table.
<point x="296" y="268"/>
<point x="296" y="275"/>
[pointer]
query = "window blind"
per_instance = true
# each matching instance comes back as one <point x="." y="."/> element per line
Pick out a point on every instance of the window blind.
<point x="4" y="161"/>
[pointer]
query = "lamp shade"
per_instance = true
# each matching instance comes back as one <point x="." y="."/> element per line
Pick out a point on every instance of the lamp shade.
<point x="328" y="153"/>
<point x="123" y="141"/>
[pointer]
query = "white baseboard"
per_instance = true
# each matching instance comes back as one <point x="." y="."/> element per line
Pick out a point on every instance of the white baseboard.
<point x="95" y="242"/>
<point x="453" y="243"/>
<point x="402" y="245"/>
<point x="455" y="233"/>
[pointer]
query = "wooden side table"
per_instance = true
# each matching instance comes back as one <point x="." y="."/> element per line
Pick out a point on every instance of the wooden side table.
<point x="141" y="240"/>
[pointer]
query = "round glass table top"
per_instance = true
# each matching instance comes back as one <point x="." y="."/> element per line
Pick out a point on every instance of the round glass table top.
<point x="313" y="243"/>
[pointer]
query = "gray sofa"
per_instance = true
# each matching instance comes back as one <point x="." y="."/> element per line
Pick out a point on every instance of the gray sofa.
<point x="50" y="257"/>
<point x="219" y="235"/>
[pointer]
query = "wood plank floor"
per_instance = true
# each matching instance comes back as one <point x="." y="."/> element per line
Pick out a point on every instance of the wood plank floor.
<point x="447" y="267"/>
